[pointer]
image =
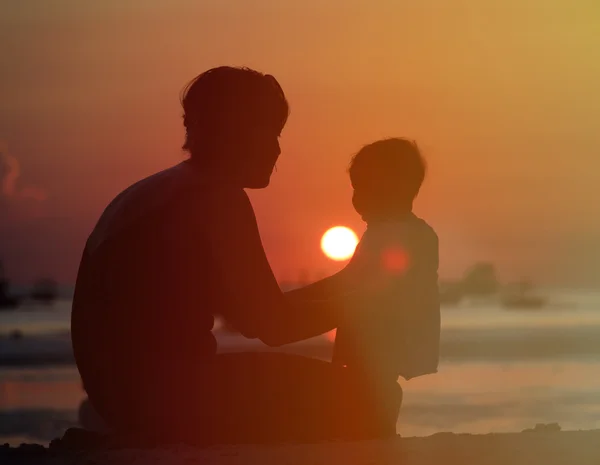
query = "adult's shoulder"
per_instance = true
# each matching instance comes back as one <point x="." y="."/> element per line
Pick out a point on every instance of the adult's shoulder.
<point x="217" y="209"/>
<point x="150" y="196"/>
<point x="212" y="198"/>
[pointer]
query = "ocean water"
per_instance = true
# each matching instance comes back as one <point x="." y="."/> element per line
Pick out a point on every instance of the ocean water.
<point x="500" y="370"/>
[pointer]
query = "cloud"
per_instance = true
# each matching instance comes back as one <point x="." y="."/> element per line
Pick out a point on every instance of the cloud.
<point x="14" y="193"/>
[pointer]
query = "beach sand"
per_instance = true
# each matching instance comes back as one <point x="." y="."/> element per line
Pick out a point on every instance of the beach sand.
<point x="527" y="448"/>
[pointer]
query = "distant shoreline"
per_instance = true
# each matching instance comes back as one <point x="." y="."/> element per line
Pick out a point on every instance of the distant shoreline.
<point x="531" y="448"/>
<point x="457" y="345"/>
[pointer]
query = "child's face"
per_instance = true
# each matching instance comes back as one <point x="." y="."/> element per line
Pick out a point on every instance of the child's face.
<point x="367" y="205"/>
<point x="357" y="203"/>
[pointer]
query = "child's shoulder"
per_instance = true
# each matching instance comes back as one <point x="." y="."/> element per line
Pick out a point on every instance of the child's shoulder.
<point x="408" y="228"/>
<point x="424" y="227"/>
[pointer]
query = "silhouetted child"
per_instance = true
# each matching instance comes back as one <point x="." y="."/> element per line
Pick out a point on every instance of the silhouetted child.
<point x="392" y="324"/>
<point x="395" y="331"/>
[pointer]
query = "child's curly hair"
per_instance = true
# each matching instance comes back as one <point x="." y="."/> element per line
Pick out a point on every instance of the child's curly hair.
<point x="386" y="176"/>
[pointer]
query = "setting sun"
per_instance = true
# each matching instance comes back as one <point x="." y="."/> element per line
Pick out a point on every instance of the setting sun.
<point x="338" y="243"/>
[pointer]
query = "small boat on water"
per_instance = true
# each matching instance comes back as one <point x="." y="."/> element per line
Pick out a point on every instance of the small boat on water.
<point x="451" y="293"/>
<point x="526" y="302"/>
<point x="45" y="291"/>
<point x="7" y="301"/>
<point x="522" y="298"/>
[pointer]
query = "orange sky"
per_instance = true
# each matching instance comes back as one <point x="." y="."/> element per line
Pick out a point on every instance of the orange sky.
<point x="502" y="97"/>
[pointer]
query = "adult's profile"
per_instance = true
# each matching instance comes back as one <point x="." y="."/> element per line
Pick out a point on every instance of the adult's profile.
<point x="181" y="246"/>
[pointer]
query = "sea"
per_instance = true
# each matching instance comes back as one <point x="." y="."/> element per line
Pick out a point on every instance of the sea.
<point x="500" y="371"/>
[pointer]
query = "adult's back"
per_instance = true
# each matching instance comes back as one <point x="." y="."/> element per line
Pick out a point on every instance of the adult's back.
<point x="146" y="285"/>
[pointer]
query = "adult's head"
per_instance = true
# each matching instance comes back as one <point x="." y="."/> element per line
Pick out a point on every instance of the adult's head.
<point x="233" y="119"/>
<point x="386" y="177"/>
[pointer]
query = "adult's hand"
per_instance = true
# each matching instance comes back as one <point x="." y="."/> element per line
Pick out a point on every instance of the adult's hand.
<point x="254" y="303"/>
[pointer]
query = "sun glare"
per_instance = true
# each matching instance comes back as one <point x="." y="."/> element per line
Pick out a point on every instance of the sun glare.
<point x="338" y="243"/>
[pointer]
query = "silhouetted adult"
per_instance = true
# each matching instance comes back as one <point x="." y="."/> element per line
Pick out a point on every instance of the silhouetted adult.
<point x="178" y="247"/>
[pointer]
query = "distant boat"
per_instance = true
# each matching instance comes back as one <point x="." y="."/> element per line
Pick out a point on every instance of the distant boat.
<point x="521" y="298"/>
<point x="451" y="293"/>
<point x="45" y="291"/>
<point x="525" y="302"/>
<point x="480" y="280"/>
<point x="7" y="302"/>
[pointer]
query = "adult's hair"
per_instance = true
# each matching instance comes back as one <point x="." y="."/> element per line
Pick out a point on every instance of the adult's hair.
<point x="227" y="99"/>
<point x="387" y="174"/>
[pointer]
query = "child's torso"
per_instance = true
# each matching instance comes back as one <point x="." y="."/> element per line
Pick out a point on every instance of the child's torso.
<point x="398" y="333"/>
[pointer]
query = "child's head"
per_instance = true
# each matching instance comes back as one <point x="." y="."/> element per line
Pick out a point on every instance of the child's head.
<point x="386" y="176"/>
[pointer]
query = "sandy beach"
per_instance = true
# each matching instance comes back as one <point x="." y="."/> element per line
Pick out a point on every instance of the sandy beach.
<point x="530" y="448"/>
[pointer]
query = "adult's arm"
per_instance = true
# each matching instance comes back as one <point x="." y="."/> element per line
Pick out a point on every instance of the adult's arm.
<point x="254" y="304"/>
<point x="357" y="276"/>
<point x="323" y="289"/>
